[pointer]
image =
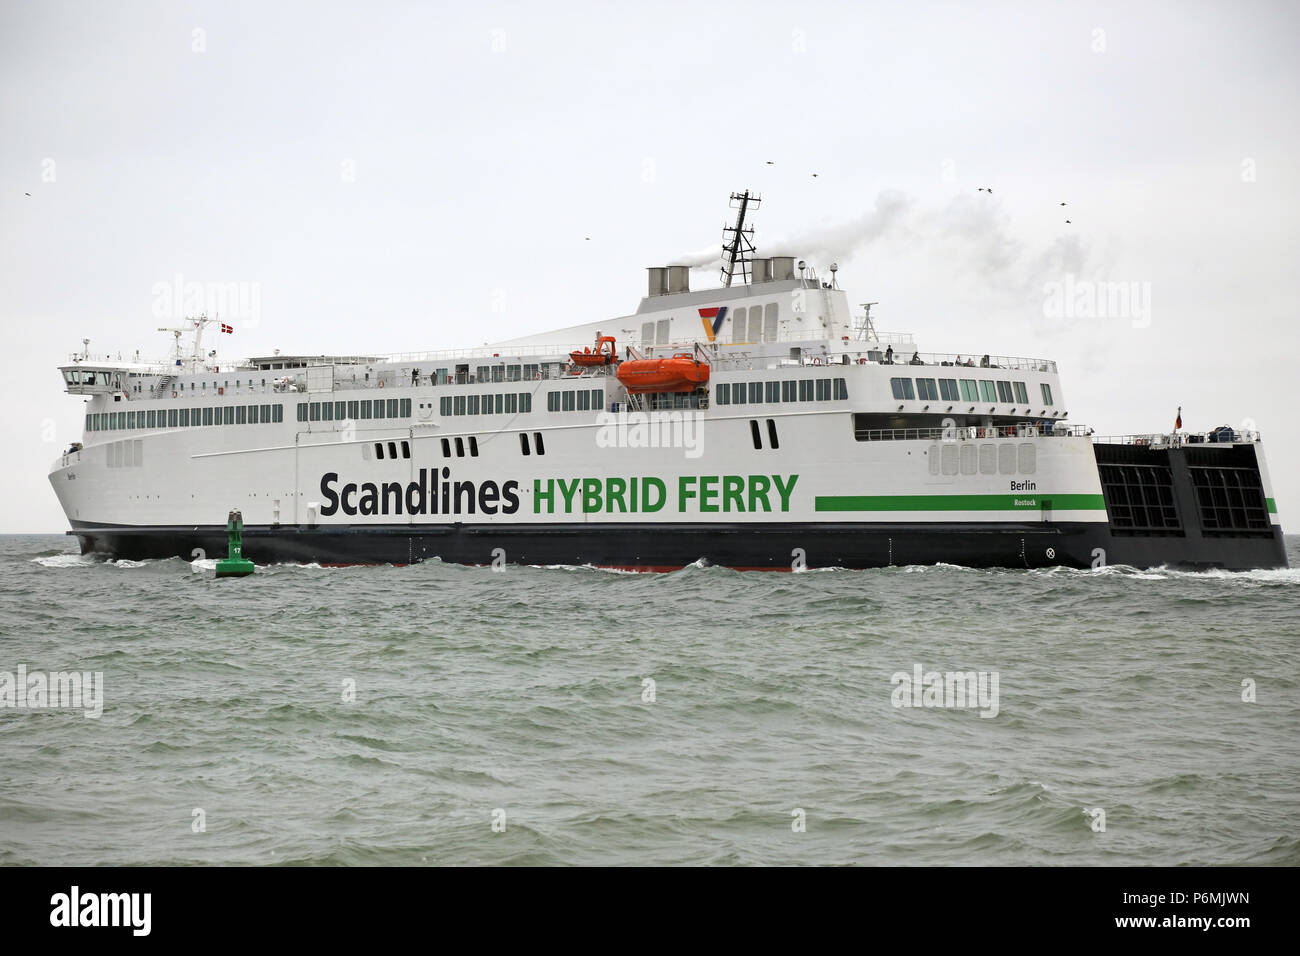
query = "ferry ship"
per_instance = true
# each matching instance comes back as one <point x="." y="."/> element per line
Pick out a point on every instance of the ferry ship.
<point x="761" y="424"/>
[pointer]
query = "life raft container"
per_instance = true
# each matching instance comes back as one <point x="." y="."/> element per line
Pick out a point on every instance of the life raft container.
<point x="681" y="373"/>
<point x="601" y="356"/>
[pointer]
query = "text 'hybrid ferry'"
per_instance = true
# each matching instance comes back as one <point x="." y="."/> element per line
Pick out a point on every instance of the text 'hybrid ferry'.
<point x="757" y="425"/>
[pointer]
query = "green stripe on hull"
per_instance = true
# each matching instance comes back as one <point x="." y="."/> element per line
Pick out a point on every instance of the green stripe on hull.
<point x="959" y="502"/>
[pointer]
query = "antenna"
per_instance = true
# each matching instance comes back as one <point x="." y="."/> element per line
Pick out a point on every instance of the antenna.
<point x="737" y="241"/>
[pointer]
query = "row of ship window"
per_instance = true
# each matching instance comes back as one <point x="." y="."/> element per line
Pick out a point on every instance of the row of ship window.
<point x="568" y="400"/>
<point x="789" y="390"/>
<point x="461" y="445"/>
<point x="966" y="390"/>
<point x="185" y="417"/>
<point x="580" y="400"/>
<point x="507" y="403"/>
<point x="363" y="409"/>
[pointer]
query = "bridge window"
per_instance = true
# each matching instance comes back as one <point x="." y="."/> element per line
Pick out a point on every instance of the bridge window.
<point x="392" y="408"/>
<point x="1005" y="394"/>
<point x="987" y="391"/>
<point x="969" y="393"/>
<point x="841" y="390"/>
<point x="925" y="387"/>
<point x="722" y="393"/>
<point x="1047" y="393"/>
<point x="1022" y="393"/>
<point x="525" y="402"/>
<point x="755" y="393"/>
<point x="788" y="390"/>
<point x="771" y="392"/>
<point x="567" y="402"/>
<point x="948" y="389"/>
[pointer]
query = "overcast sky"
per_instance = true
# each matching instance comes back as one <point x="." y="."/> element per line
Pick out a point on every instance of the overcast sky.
<point x="402" y="176"/>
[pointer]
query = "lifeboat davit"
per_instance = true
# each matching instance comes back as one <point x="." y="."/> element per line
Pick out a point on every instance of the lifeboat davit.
<point x="681" y="373"/>
<point x="604" y="354"/>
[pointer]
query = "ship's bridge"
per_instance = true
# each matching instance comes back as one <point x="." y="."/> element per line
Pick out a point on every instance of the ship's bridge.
<point x="87" y="377"/>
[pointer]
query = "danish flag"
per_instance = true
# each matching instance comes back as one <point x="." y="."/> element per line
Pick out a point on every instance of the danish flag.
<point x="229" y="329"/>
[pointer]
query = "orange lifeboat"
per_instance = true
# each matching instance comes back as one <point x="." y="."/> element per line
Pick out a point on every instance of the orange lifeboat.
<point x="681" y="373"/>
<point x="602" y="356"/>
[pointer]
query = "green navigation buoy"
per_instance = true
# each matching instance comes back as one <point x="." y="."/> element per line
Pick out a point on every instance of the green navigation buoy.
<point x="234" y="564"/>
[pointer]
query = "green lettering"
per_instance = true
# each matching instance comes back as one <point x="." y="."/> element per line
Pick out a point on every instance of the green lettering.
<point x="733" y="490"/>
<point x="649" y="484"/>
<point x="708" y="492"/>
<point x="758" y="487"/>
<point x="614" y="488"/>
<point x="590" y="495"/>
<point x="684" y="490"/>
<point x="784" y="490"/>
<point x="568" y="494"/>
<point x="548" y="494"/>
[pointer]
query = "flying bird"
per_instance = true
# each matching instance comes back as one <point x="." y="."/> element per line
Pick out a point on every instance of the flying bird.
<point x="26" y="194"/>
<point x="814" y="175"/>
<point x="985" y="189"/>
<point x="1062" y="204"/>
<point x="1067" y="222"/>
<point x="770" y="163"/>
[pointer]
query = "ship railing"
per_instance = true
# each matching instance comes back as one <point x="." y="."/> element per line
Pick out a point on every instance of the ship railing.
<point x="850" y="353"/>
<point x="1218" y="436"/>
<point x="952" y="433"/>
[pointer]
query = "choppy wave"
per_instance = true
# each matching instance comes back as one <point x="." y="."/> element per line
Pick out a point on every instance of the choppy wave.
<point x="384" y="715"/>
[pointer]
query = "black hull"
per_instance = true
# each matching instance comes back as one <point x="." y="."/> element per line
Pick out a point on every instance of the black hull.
<point x="668" y="547"/>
